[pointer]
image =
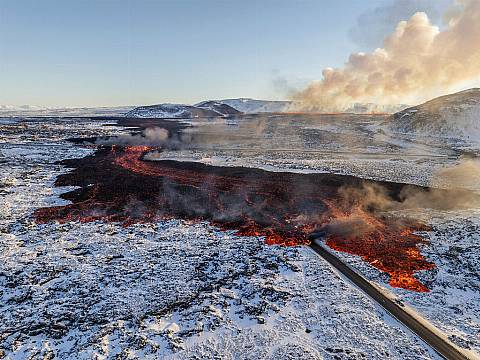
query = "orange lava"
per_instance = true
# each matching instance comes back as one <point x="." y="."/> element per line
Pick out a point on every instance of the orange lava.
<point x="387" y="247"/>
<point x="131" y="158"/>
<point x="282" y="207"/>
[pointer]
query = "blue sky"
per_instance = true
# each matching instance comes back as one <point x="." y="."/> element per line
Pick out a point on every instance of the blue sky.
<point x="120" y="52"/>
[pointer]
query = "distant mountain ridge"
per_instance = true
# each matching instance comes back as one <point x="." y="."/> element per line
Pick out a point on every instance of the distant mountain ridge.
<point x="211" y="108"/>
<point x="249" y="106"/>
<point x="181" y="111"/>
<point x="33" y="111"/>
<point x="452" y="116"/>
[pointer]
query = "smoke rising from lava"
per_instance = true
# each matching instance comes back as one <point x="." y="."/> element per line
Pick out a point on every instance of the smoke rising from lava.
<point x="151" y="136"/>
<point x="117" y="184"/>
<point x="417" y="62"/>
<point x="374" y="197"/>
<point x="362" y="210"/>
<point x="353" y="225"/>
<point x="466" y="173"/>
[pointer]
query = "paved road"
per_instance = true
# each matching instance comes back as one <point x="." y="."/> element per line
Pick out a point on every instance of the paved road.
<point x="442" y="346"/>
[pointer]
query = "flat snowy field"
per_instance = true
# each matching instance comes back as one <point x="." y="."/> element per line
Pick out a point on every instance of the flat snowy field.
<point x="183" y="290"/>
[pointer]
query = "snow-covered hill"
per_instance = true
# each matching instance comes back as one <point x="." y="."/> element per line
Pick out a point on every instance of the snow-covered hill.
<point x="180" y="111"/>
<point x="220" y="108"/>
<point x="247" y="105"/>
<point x="451" y="116"/>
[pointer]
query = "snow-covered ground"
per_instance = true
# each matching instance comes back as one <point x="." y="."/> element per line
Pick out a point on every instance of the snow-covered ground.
<point x="365" y="150"/>
<point x="183" y="290"/>
<point x="453" y="304"/>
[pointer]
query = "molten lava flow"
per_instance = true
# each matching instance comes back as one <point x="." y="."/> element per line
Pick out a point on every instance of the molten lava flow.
<point x="116" y="184"/>
<point x="385" y="246"/>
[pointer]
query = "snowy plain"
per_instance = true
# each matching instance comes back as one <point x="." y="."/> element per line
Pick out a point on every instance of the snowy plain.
<point x="183" y="290"/>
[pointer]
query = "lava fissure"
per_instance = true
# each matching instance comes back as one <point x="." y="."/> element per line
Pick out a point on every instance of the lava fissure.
<point x="116" y="184"/>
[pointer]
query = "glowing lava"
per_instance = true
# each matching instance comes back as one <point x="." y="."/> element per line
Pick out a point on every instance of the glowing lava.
<point x="388" y="247"/>
<point x="116" y="184"/>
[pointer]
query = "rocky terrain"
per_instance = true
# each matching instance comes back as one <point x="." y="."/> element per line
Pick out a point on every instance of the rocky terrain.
<point x="183" y="290"/>
<point x="171" y="289"/>
<point x="453" y="303"/>
<point x="219" y="107"/>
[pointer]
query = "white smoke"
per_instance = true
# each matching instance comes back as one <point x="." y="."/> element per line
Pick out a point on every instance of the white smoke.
<point x="372" y="25"/>
<point x="458" y="179"/>
<point x="465" y="174"/>
<point x="154" y="136"/>
<point x="417" y="62"/>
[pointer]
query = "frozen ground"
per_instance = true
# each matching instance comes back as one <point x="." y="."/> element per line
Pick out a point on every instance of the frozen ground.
<point x="349" y="144"/>
<point x="180" y="290"/>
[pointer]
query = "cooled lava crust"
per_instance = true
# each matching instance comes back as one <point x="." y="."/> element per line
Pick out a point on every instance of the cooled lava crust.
<point x="118" y="185"/>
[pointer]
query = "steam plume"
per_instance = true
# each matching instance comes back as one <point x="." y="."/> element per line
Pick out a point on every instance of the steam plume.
<point x="353" y="225"/>
<point x="373" y="24"/>
<point x="372" y="198"/>
<point x="153" y="136"/>
<point x="375" y="197"/>
<point x="417" y="62"/>
<point x="466" y="174"/>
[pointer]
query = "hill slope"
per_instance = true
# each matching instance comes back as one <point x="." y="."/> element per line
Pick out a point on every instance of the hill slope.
<point x="218" y="107"/>
<point x="450" y="116"/>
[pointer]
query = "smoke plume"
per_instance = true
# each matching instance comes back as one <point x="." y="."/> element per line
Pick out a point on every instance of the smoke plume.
<point x="372" y="25"/>
<point x="465" y="174"/>
<point x="353" y="225"/>
<point x="374" y="197"/>
<point x="417" y="62"/>
<point x="351" y="219"/>
<point x="152" y="136"/>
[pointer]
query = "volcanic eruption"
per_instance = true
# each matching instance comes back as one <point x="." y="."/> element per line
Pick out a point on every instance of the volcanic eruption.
<point x="117" y="184"/>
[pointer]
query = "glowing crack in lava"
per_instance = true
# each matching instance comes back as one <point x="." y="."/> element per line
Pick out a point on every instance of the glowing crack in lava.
<point x="116" y="184"/>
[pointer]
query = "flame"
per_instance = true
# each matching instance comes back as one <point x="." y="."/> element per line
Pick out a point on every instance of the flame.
<point x="284" y="208"/>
